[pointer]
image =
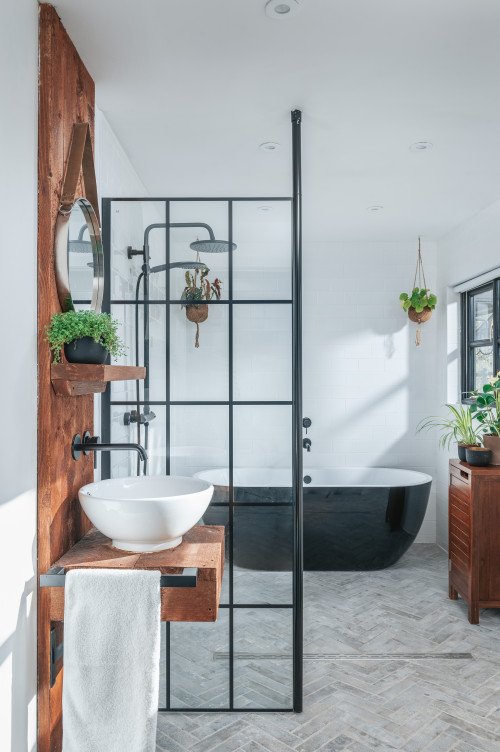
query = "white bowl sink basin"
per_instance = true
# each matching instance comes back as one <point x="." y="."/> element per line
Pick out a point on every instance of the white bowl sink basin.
<point x="149" y="513"/>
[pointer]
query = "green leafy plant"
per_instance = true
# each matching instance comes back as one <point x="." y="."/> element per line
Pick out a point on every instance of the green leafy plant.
<point x="198" y="290"/>
<point x="486" y="406"/>
<point x="457" y="426"/>
<point x="73" y="325"/>
<point x="418" y="299"/>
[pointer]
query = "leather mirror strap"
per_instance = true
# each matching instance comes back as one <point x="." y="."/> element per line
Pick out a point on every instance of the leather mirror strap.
<point x="80" y="158"/>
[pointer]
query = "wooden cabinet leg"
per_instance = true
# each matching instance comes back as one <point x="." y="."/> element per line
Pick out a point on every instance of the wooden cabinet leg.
<point x="453" y="594"/>
<point x="473" y="613"/>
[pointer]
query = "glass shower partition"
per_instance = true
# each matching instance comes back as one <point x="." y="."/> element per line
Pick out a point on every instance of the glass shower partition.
<point x="226" y="408"/>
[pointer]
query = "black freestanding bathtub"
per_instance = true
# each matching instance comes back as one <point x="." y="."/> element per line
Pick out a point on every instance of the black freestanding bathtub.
<point x="354" y="519"/>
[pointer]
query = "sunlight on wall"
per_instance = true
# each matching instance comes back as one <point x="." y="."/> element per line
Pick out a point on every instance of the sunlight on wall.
<point x="18" y="622"/>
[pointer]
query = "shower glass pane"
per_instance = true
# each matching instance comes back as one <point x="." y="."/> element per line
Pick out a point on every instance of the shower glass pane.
<point x="162" y="694"/>
<point x="200" y="373"/>
<point x="153" y="439"/>
<point x="254" y="441"/>
<point x="263" y="554"/>
<point x="199" y="663"/>
<point x="199" y="439"/>
<point x="129" y="220"/>
<point x="125" y="314"/>
<point x="212" y="213"/>
<point x="483" y="366"/>
<point x="262" y="449"/>
<point x="262" y="352"/>
<point x="263" y="658"/>
<point x="262" y="263"/>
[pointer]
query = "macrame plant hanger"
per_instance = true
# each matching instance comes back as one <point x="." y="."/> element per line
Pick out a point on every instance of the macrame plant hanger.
<point x="198" y="313"/>
<point x="425" y="315"/>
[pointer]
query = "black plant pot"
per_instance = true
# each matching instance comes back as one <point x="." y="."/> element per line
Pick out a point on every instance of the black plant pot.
<point x="478" y="457"/>
<point x="85" y="350"/>
<point x="462" y="448"/>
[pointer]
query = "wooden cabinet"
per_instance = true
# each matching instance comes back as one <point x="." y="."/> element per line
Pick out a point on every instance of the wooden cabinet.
<point x="474" y="536"/>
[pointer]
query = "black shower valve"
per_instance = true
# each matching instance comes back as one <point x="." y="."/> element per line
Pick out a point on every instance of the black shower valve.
<point x="307" y="423"/>
<point x="144" y="418"/>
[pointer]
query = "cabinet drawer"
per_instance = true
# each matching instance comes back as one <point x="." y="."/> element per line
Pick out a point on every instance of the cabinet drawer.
<point x="461" y="473"/>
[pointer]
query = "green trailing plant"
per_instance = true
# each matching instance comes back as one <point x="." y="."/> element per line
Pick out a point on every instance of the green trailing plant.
<point x="199" y="288"/>
<point x="459" y="425"/>
<point x="486" y="406"/>
<point x="73" y="325"/>
<point x="418" y="299"/>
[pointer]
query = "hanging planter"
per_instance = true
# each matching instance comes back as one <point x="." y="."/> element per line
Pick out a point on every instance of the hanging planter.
<point x="198" y="288"/>
<point x="420" y="303"/>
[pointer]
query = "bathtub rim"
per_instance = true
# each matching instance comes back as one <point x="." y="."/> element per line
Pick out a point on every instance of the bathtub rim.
<point x="415" y="477"/>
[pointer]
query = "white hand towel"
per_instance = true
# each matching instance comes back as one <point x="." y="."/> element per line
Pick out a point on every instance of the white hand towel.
<point x="111" y="660"/>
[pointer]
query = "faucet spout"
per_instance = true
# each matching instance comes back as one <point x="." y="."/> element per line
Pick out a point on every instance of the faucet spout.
<point x="92" y="444"/>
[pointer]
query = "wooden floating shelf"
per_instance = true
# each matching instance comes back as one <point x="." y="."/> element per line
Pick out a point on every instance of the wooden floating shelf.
<point x="202" y="547"/>
<point x="73" y="379"/>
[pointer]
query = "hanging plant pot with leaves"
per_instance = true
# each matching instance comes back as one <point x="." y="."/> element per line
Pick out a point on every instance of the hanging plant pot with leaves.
<point x="420" y="303"/>
<point x="198" y="288"/>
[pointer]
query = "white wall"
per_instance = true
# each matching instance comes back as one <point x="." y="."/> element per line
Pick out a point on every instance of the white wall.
<point x="116" y="177"/>
<point x="471" y="248"/>
<point x="366" y="384"/>
<point x="18" y="383"/>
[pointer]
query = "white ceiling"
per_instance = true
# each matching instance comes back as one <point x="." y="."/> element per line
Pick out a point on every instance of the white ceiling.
<point x="192" y="87"/>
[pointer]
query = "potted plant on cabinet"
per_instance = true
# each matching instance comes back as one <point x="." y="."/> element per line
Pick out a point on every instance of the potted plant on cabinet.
<point x="85" y="336"/>
<point x="486" y="408"/>
<point x="197" y="291"/>
<point x="478" y="456"/>
<point x="458" y="426"/>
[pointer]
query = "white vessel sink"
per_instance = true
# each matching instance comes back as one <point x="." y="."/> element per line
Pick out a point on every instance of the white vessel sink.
<point x="149" y="513"/>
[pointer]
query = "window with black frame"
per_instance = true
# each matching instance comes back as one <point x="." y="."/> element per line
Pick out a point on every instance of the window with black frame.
<point x="480" y="336"/>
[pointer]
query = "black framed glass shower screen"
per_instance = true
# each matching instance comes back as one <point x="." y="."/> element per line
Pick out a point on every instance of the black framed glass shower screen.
<point x="225" y="409"/>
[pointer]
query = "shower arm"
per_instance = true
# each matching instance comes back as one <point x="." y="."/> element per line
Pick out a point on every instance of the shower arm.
<point x="162" y="225"/>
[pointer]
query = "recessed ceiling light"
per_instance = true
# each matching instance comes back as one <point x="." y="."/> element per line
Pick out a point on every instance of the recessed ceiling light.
<point x="375" y="208"/>
<point x="269" y="146"/>
<point x="281" y="9"/>
<point x="421" y="146"/>
<point x="265" y="208"/>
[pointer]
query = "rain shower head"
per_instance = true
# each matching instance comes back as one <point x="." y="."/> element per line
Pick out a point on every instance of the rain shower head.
<point x="80" y="245"/>
<point x="212" y="246"/>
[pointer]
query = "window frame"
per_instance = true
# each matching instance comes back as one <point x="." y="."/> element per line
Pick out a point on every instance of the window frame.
<point x="468" y="345"/>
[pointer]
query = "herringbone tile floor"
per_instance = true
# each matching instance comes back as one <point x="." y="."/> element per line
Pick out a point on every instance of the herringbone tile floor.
<point x="391" y="664"/>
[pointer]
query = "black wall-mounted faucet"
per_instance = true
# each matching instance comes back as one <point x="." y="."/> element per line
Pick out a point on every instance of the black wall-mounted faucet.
<point x="307" y="444"/>
<point x="91" y="444"/>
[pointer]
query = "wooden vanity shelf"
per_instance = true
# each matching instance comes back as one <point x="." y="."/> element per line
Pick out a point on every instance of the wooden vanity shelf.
<point x="202" y="548"/>
<point x="73" y="379"/>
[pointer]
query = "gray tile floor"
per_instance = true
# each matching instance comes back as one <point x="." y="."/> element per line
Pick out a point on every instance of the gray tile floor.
<point x="391" y="664"/>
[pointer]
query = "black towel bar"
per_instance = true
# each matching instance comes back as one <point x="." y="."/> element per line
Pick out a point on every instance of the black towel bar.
<point x="56" y="577"/>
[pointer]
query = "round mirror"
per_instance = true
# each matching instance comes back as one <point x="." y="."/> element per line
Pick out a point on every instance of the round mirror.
<point x="79" y="258"/>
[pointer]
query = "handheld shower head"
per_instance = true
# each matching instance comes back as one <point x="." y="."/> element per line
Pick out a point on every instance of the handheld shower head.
<point x="177" y="265"/>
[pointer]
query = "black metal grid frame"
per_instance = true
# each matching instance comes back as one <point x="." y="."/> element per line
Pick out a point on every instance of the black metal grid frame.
<point x="295" y="403"/>
<point x="468" y="344"/>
